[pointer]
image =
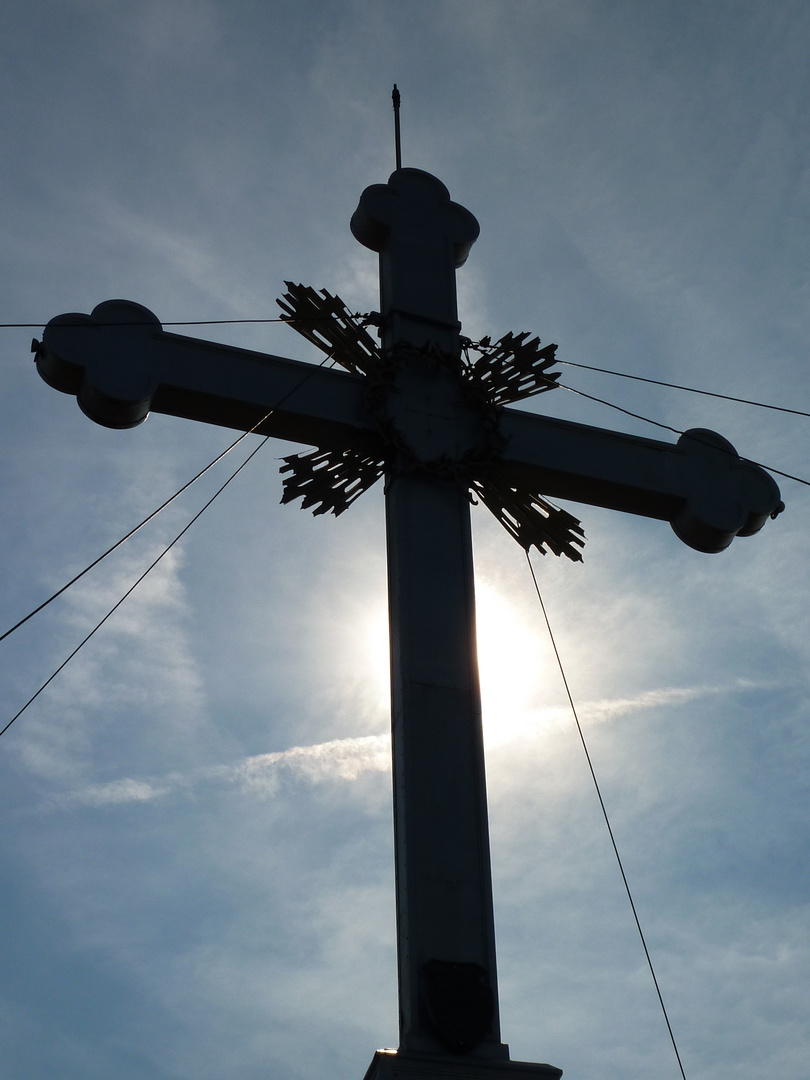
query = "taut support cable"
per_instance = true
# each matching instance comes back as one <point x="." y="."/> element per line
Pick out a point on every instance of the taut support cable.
<point x="605" y="816"/>
<point x="165" y="551"/>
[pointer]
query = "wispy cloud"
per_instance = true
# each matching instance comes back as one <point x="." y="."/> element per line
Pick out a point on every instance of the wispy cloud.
<point x="140" y="666"/>
<point x="119" y="791"/>
<point x="607" y="709"/>
<point x="341" y="759"/>
<point x="506" y="727"/>
<point x="261" y="775"/>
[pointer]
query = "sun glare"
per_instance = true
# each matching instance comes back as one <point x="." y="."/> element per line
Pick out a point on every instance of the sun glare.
<point x="511" y="663"/>
<point x="379" y="664"/>
<point x="511" y="659"/>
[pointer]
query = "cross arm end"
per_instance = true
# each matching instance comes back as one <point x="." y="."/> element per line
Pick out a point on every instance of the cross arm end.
<point x="700" y="485"/>
<point x="120" y="364"/>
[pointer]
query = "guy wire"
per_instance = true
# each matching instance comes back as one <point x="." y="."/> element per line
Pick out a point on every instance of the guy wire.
<point x="677" y="431"/>
<point x="131" y="532"/>
<point x="166" y="550"/>
<point x="132" y="587"/>
<point x="605" y="815"/>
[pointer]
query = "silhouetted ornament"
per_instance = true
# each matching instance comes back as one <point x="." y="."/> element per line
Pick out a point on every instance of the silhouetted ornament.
<point x="458" y="1003"/>
<point x="330" y="480"/>
<point x="460" y="437"/>
<point x="513" y="368"/>
<point x="325" y="320"/>
<point x="527" y="516"/>
<point x="466" y="447"/>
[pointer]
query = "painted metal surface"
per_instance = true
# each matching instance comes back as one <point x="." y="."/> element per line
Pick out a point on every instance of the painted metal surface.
<point x="434" y="442"/>
<point x="444" y="887"/>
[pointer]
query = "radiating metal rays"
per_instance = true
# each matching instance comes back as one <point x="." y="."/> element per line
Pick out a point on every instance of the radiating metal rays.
<point x="325" y="320"/>
<point x="330" y="479"/>
<point x="511" y="369"/>
<point x="527" y="516"/>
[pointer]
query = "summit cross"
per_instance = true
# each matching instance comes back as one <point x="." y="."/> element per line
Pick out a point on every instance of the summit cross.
<point x="437" y="427"/>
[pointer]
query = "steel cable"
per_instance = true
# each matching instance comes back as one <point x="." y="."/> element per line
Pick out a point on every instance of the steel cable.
<point x="605" y="816"/>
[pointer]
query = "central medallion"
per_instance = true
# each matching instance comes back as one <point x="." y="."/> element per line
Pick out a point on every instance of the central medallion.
<point x="431" y="414"/>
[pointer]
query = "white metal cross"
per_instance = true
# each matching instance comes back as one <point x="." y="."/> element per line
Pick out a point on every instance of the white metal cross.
<point x="437" y="428"/>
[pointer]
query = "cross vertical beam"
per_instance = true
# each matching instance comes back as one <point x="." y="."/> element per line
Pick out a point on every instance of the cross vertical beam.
<point x="445" y="924"/>
<point x="444" y="886"/>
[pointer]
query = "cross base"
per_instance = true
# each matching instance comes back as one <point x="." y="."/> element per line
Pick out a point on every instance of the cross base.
<point x="391" y="1065"/>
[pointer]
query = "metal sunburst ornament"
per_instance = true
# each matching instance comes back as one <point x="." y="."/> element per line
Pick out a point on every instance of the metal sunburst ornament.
<point x="331" y="478"/>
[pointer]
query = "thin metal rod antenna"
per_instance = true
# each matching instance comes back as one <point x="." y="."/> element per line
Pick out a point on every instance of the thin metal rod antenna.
<point x="397" y="141"/>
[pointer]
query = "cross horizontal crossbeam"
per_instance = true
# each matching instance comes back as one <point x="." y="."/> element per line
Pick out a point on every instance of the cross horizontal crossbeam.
<point x="120" y="364"/>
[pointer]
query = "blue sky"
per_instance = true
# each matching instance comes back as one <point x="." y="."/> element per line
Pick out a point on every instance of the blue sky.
<point x="196" y="860"/>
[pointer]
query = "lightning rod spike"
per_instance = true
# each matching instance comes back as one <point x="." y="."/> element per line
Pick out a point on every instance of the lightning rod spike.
<point x="397" y="144"/>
